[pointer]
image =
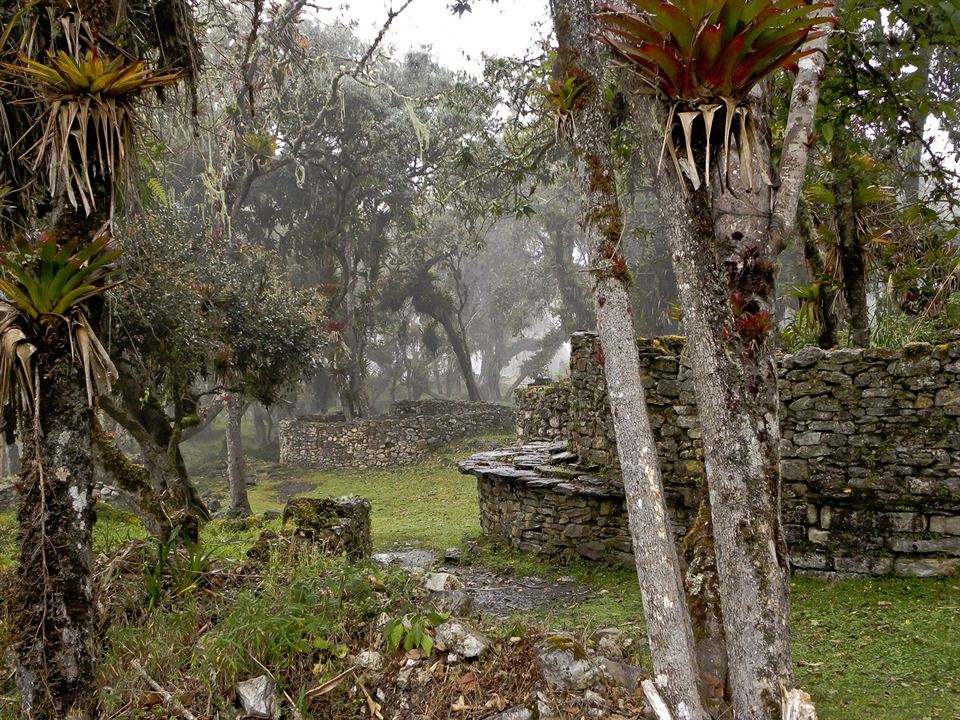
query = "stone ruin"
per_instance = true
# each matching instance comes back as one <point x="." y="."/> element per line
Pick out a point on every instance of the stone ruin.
<point x="411" y="431"/>
<point x="870" y="459"/>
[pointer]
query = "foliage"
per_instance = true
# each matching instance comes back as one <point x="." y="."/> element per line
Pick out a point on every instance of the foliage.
<point x="75" y="76"/>
<point x="410" y="631"/>
<point x="195" y="304"/>
<point x="46" y="285"/>
<point x="181" y="566"/>
<point x="708" y="50"/>
<point x="311" y="626"/>
<point x="893" y="76"/>
<point x="704" y="57"/>
<point x="91" y="115"/>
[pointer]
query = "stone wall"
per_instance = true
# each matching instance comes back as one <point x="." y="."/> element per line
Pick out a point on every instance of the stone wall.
<point x="871" y="459"/>
<point x="8" y="496"/>
<point x="542" y="411"/>
<point x="397" y="439"/>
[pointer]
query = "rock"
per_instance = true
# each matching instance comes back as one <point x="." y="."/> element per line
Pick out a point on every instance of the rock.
<point x="453" y="555"/>
<point x="926" y="567"/>
<point x="458" y="603"/>
<point x="564" y="668"/>
<point x="518" y="712"/>
<point x="413" y="560"/>
<point x="8" y="496"/>
<point x="462" y="638"/>
<point x="258" y="696"/>
<point x="370" y="660"/>
<point x="441" y="581"/>
<point x="337" y="525"/>
<point x="260" y="551"/>
<point x="593" y="699"/>
<point x="414" y="675"/>
<point x="610" y="641"/>
<point x="270" y="515"/>
<point x="621" y="674"/>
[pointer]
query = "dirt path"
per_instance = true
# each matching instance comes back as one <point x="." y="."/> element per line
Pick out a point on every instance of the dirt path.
<point x="494" y="594"/>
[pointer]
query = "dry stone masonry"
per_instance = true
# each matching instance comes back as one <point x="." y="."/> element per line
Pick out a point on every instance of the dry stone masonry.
<point x="870" y="459"/>
<point x="412" y="431"/>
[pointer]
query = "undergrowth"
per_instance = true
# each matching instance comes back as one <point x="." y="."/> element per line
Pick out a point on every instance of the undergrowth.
<point x="882" y="649"/>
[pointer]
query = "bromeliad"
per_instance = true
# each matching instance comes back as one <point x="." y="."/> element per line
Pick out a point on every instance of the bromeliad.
<point x="90" y="125"/>
<point x="45" y="287"/>
<point x="705" y="57"/>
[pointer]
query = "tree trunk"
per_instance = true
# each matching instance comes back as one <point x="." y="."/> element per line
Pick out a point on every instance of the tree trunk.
<point x="721" y="254"/>
<point x="133" y="481"/>
<point x="702" y="585"/>
<point x="491" y="370"/>
<point x="52" y="603"/>
<point x="913" y="153"/>
<point x="829" y="322"/>
<point x="239" y="503"/>
<point x="260" y="426"/>
<point x="462" y="352"/>
<point x="658" y="569"/>
<point x="140" y="413"/>
<point x="11" y="456"/>
<point x="572" y="296"/>
<point x="848" y="236"/>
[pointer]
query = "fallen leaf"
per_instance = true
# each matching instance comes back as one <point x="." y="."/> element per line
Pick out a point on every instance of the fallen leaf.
<point x="466" y="682"/>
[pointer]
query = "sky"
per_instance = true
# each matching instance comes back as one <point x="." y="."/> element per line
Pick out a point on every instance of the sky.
<point x="506" y="27"/>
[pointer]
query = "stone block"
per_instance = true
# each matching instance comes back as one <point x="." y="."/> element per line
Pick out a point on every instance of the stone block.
<point x="864" y="565"/>
<point x="945" y="524"/>
<point x="946" y="545"/>
<point x="926" y="567"/>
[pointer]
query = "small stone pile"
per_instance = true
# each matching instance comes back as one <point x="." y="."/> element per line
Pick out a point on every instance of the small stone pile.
<point x="334" y="525"/>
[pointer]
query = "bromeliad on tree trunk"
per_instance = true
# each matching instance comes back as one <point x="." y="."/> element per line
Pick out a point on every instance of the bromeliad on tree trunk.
<point x="70" y="119"/>
<point x="705" y="57"/>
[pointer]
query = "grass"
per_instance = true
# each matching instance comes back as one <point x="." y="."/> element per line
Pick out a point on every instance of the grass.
<point x="882" y="649"/>
<point x="879" y="649"/>
<point x="430" y="504"/>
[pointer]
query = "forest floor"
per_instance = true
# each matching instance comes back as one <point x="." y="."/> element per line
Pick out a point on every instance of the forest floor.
<point x="880" y="649"/>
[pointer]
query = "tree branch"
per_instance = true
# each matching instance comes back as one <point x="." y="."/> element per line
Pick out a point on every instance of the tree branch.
<point x="799" y="136"/>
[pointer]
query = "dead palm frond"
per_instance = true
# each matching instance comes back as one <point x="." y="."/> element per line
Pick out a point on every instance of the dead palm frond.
<point x="90" y="122"/>
<point x="46" y="287"/>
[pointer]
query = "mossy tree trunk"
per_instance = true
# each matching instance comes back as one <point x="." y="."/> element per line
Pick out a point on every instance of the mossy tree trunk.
<point x="53" y="609"/>
<point x="723" y="260"/>
<point x="133" y="481"/>
<point x="852" y="261"/>
<point x="141" y="414"/>
<point x="826" y="300"/>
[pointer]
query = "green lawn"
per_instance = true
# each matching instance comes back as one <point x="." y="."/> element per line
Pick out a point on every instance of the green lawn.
<point x="866" y="650"/>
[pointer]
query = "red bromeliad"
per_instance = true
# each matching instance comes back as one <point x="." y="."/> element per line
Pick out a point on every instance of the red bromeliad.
<point x="705" y="57"/>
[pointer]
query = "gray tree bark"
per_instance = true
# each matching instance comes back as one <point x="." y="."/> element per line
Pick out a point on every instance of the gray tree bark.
<point x="239" y="503"/>
<point x="658" y="570"/>
<point x="829" y="321"/>
<point x="735" y="381"/>
<point x="52" y="603"/>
